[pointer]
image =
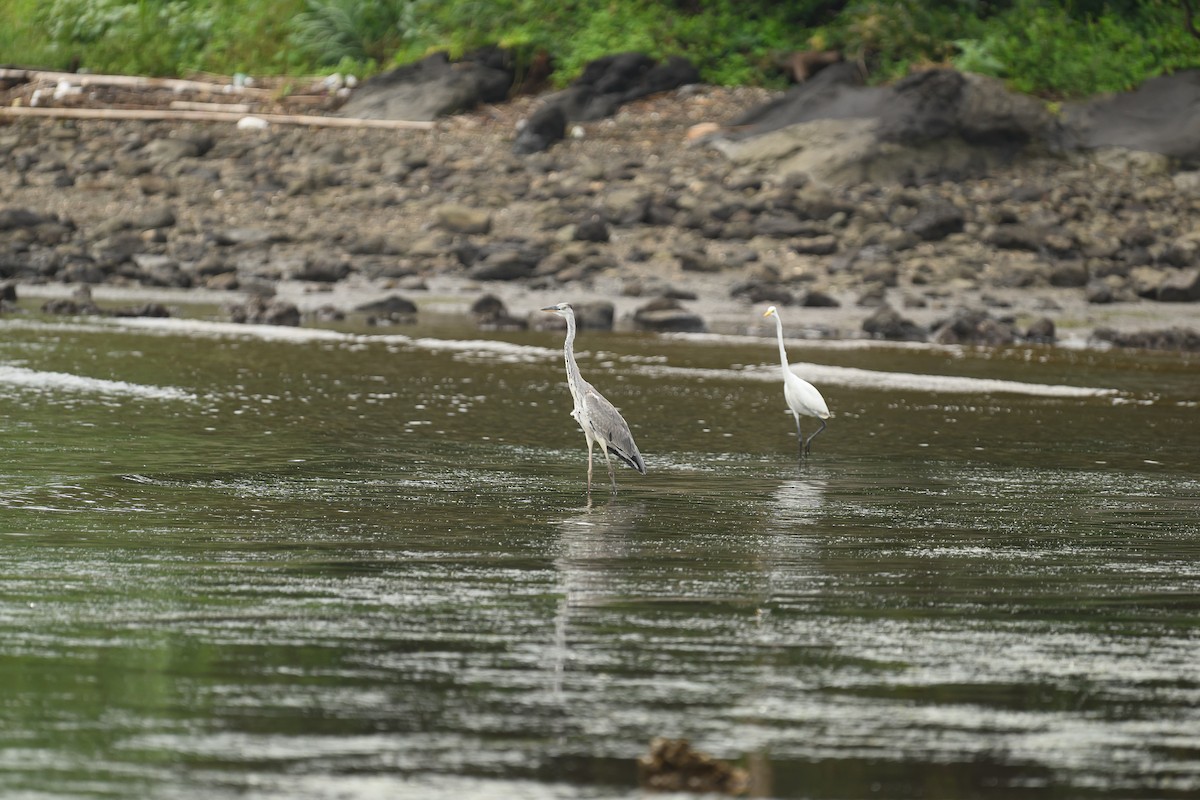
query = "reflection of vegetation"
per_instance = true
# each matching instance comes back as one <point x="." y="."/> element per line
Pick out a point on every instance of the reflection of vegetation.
<point x="1064" y="48"/>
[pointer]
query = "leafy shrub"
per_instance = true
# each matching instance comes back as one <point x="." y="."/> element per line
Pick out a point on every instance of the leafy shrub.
<point x="1045" y="50"/>
<point x="890" y="38"/>
<point x="333" y="31"/>
<point x="164" y="37"/>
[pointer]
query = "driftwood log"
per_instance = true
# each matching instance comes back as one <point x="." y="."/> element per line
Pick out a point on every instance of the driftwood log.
<point x="180" y="115"/>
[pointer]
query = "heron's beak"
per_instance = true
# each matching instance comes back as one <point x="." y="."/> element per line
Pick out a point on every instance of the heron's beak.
<point x="551" y="309"/>
<point x="768" y="312"/>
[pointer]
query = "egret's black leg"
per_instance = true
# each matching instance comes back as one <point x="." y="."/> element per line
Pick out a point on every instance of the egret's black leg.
<point x="799" y="438"/>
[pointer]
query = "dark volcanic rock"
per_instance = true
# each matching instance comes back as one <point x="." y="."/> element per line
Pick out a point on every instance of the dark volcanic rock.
<point x="1041" y="331"/>
<point x="1014" y="237"/>
<point x="756" y="292"/>
<point x="144" y="310"/>
<point x="968" y="326"/>
<point x="611" y="81"/>
<point x="393" y="309"/>
<point x="433" y="87"/>
<point x="321" y="270"/>
<point x="666" y="314"/>
<point x="1164" y="339"/>
<point x="886" y="323"/>
<point x="505" y="264"/>
<point x="1160" y="116"/>
<point x="490" y="313"/>
<point x="265" y="311"/>
<point x="937" y="222"/>
<point x="595" y="315"/>
<point x="544" y="127"/>
<point x="593" y="229"/>
<point x="834" y="93"/>
<point x="11" y="218"/>
<point x="815" y="298"/>
<point x="78" y="304"/>
<point x="1180" y="287"/>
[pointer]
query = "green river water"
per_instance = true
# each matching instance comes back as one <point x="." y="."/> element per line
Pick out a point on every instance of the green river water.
<point x="257" y="562"/>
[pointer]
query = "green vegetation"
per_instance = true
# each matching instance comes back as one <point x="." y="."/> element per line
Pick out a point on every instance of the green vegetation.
<point x="1056" y="49"/>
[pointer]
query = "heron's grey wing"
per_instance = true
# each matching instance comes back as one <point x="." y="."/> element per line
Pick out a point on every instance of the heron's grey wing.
<point x="611" y="426"/>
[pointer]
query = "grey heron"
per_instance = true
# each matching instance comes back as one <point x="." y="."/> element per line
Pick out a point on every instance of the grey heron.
<point x="802" y="397"/>
<point x="601" y="422"/>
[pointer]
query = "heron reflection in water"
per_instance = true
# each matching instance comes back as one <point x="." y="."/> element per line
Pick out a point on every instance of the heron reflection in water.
<point x="602" y="424"/>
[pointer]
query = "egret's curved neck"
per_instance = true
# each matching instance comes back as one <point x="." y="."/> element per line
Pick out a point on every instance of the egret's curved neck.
<point x="779" y="333"/>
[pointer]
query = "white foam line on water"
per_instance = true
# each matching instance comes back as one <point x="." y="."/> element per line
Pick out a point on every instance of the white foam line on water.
<point x="64" y="381"/>
<point x="817" y="373"/>
<point x="200" y="327"/>
<point x="507" y="350"/>
<point x="284" y="333"/>
<point x="855" y="378"/>
<point x="768" y="337"/>
<point x="279" y="333"/>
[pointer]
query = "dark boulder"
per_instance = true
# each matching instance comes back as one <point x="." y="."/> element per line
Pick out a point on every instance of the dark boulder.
<point x="666" y="314"/>
<point x="756" y="292"/>
<point x="505" y="264"/>
<point x="13" y="218"/>
<point x="937" y="222"/>
<point x="391" y="309"/>
<point x="605" y="85"/>
<point x="434" y="87"/>
<point x="544" y="127"/>
<point x="593" y="229"/>
<point x="834" y="93"/>
<point x="970" y="326"/>
<point x="596" y="315"/>
<point x="611" y="81"/>
<point x="144" y="310"/>
<point x="321" y="270"/>
<point x="265" y="311"/>
<point x="886" y="323"/>
<point x="1161" y="116"/>
<point x="78" y="304"/>
<point x="1042" y="331"/>
<point x="490" y="313"/>
<point x="1180" y="287"/>
<point x="1163" y="339"/>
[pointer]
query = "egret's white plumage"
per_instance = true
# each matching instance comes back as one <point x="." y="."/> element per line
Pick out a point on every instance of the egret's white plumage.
<point x="602" y="424"/>
<point x="802" y="397"/>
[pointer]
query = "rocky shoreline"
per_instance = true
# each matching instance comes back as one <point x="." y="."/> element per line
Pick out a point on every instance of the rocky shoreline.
<point x="1052" y="247"/>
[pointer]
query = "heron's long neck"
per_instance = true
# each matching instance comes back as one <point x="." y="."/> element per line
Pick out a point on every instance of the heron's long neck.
<point x="573" y="377"/>
<point x="779" y="333"/>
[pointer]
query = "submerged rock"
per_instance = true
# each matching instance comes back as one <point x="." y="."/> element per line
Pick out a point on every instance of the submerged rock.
<point x="671" y="765"/>
<point x="1162" y="339"/>
<point x="265" y="311"/>
<point x="667" y="315"/>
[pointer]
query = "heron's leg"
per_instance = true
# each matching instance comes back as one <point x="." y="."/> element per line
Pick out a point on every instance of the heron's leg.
<point x="612" y="475"/>
<point x="808" y="444"/>
<point x="799" y="438"/>
<point x="589" y="441"/>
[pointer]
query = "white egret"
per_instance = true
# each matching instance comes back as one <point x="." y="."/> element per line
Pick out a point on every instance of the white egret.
<point x="802" y="397"/>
